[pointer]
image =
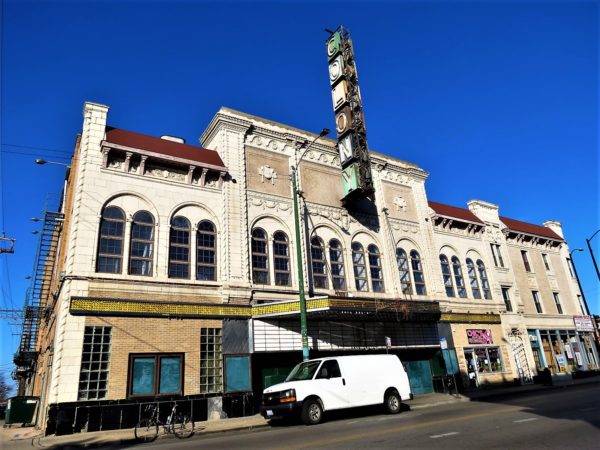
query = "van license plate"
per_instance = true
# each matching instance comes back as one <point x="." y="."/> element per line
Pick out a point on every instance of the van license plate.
<point x="269" y="412"/>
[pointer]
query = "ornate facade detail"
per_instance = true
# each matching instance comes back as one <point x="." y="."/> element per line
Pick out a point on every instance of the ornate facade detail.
<point x="268" y="173"/>
<point x="403" y="226"/>
<point x="265" y="202"/>
<point x="400" y="203"/>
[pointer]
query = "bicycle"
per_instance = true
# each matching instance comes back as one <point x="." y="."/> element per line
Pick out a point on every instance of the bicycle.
<point x="146" y="430"/>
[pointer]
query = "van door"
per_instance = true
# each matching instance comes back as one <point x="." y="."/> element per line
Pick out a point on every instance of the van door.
<point x="331" y="386"/>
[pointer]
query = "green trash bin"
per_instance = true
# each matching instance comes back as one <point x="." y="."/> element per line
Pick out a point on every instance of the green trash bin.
<point x="21" y="410"/>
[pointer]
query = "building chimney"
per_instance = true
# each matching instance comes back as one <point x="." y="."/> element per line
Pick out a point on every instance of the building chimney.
<point x="555" y="226"/>
<point x="173" y="139"/>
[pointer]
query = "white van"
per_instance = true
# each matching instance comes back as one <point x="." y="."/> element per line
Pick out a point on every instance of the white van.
<point x="325" y="384"/>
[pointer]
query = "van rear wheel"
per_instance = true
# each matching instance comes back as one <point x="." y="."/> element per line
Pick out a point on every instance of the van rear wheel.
<point x="392" y="402"/>
<point x="312" y="413"/>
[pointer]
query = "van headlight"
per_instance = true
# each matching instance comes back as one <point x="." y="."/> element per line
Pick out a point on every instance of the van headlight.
<point x="288" y="396"/>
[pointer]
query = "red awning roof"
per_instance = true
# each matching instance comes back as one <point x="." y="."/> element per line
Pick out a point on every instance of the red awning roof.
<point x="454" y="212"/>
<point x="163" y="147"/>
<point x="529" y="228"/>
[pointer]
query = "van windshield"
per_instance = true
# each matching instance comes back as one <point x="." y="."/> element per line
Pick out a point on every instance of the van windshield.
<point x="303" y="371"/>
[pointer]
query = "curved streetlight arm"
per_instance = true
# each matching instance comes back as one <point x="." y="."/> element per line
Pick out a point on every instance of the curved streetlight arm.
<point x="587" y="241"/>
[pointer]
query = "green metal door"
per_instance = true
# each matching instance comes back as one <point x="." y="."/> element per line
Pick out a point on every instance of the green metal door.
<point x="419" y="376"/>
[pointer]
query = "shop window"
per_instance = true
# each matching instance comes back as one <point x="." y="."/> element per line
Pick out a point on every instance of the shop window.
<point x="458" y="278"/>
<point x="447" y="276"/>
<point x="417" y="270"/>
<point x="281" y="259"/>
<point x="487" y="359"/>
<point x="319" y="264"/>
<point x="360" y="267"/>
<point x="473" y="279"/>
<point x="536" y="301"/>
<point x="206" y="252"/>
<point x="336" y="257"/>
<point x="155" y="374"/>
<point x="506" y="298"/>
<point x="260" y="257"/>
<point x="211" y="360"/>
<point x="525" y="259"/>
<point x="557" y="303"/>
<point x="110" y="242"/>
<point x="142" y="244"/>
<point x="403" y="271"/>
<point x="93" y="377"/>
<point x="179" y="248"/>
<point x="375" y="268"/>
<point x="485" y="284"/>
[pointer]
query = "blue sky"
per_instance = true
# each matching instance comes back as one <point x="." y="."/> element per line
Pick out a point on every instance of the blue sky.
<point x="496" y="100"/>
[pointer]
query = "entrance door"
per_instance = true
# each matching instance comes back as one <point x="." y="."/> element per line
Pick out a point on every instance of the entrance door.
<point x="419" y="376"/>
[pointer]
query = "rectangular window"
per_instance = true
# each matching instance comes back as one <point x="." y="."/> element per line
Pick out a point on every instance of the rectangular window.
<point x="536" y="301"/>
<point x="557" y="302"/>
<point x="525" y="260"/>
<point x="93" y="377"/>
<point x="487" y="359"/>
<point x="153" y="374"/>
<point x="570" y="266"/>
<point x="498" y="261"/>
<point x="506" y="297"/>
<point x="211" y="360"/>
<point x="546" y="262"/>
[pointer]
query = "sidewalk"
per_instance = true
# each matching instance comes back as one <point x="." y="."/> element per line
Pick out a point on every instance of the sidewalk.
<point x="28" y="437"/>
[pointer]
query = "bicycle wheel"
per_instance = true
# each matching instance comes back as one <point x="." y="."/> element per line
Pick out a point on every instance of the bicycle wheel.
<point x="183" y="427"/>
<point x="146" y="430"/>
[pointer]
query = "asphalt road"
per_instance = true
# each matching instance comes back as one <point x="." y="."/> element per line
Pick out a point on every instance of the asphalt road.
<point x="566" y="418"/>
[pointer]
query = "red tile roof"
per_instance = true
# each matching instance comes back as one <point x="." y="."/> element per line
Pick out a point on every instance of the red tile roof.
<point x="163" y="147"/>
<point x="454" y="212"/>
<point x="529" y="228"/>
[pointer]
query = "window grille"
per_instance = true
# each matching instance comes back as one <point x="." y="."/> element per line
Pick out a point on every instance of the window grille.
<point x="281" y="256"/>
<point x="260" y="257"/>
<point x="458" y="278"/>
<point x="93" y="376"/>
<point x="206" y="252"/>
<point x="403" y="271"/>
<point x="360" y="268"/>
<point x="319" y="264"/>
<point x="141" y="245"/>
<point x="211" y="360"/>
<point x="336" y="257"/>
<point x="375" y="268"/>
<point x="110" y="243"/>
<point x="179" y="248"/>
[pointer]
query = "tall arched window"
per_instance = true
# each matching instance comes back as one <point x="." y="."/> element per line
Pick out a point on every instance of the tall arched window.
<point x="473" y="279"/>
<point x="110" y="242"/>
<point x="485" y="285"/>
<point x="375" y="268"/>
<point x="319" y="264"/>
<point x="206" y="252"/>
<point x="281" y="256"/>
<point x="142" y="244"/>
<point x="417" y="270"/>
<point x="360" y="267"/>
<point x="458" y="278"/>
<point x="336" y="258"/>
<point x="260" y="257"/>
<point x="179" y="248"/>
<point x="447" y="275"/>
<point x="403" y="271"/>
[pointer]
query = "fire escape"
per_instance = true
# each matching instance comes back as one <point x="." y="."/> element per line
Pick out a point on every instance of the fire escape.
<point x="37" y="295"/>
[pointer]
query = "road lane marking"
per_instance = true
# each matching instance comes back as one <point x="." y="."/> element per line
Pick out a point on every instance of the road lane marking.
<point x="524" y="420"/>
<point x="436" y="436"/>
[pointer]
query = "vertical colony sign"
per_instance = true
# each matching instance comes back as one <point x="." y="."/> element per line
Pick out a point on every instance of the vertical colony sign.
<point x="349" y="118"/>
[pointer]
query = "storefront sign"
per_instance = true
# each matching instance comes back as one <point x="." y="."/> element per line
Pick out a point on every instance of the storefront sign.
<point x="578" y="358"/>
<point x="561" y="360"/>
<point x="569" y="351"/>
<point x="583" y="323"/>
<point x="477" y="336"/>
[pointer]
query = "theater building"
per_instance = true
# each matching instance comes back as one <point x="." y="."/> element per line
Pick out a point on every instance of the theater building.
<point x="172" y="274"/>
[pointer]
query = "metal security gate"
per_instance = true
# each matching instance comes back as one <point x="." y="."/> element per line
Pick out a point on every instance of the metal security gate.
<point x="419" y="376"/>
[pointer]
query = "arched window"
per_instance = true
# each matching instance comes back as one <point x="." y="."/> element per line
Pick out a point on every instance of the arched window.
<point x="458" y="278"/>
<point x="281" y="256"/>
<point x="417" y="270"/>
<point x="403" y="271"/>
<point x="473" y="279"/>
<point x="142" y="244"/>
<point x="179" y="248"/>
<point x="447" y="276"/>
<point x="336" y="258"/>
<point x="360" y="267"/>
<point x="206" y="252"/>
<point x="319" y="264"/>
<point x="485" y="285"/>
<point x="375" y="268"/>
<point x="260" y="257"/>
<point x="110" y="243"/>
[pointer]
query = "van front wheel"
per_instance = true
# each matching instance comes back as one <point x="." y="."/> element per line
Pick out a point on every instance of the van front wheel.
<point x="312" y="413"/>
<point x="392" y="402"/>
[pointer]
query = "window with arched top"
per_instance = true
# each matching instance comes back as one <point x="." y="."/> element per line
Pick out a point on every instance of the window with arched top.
<point x="403" y="271"/>
<point x="336" y="259"/>
<point x="473" y="279"/>
<point x="485" y="284"/>
<point x="260" y="257"/>
<point x="141" y="251"/>
<point x="206" y="251"/>
<point x="458" y="278"/>
<point x="417" y="270"/>
<point x="360" y="267"/>
<point x="319" y="264"/>
<point x="179" y="248"/>
<point x="375" y="268"/>
<point x="447" y="275"/>
<point x="281" y="259"/>
<point x="110" y="241"/>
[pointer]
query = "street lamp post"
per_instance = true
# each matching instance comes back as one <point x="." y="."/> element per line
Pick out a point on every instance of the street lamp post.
<point x="587" y="309"/>
<point x="592" y="253"/>
<point x="302" y="297"/>
<point x="41" y="162"/>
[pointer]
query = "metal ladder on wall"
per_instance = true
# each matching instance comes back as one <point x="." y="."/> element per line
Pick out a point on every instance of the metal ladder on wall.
<point x="523" y="368"/>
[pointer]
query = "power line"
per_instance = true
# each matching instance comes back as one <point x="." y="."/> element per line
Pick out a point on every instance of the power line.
<point x="55" y="150"/>
<point x="35" y="154"/>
